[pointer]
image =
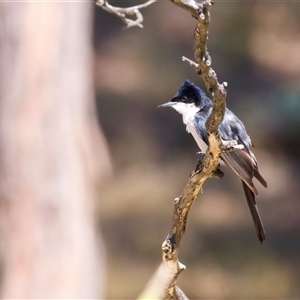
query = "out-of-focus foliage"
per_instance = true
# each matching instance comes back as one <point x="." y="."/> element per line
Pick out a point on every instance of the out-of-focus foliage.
<point x="255" y="47"/>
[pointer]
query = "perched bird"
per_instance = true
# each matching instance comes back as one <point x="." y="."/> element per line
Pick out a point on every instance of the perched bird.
<point x="195" y="107"/>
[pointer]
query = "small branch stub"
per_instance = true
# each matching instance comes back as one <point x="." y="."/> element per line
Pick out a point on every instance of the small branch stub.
<point x="190" y="62"/>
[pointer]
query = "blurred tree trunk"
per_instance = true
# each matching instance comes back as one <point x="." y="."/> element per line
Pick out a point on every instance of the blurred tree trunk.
<point x="51" y="152"/>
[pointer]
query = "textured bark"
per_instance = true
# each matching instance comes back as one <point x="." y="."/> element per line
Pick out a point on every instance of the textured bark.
<point x="209" y="166"/>
<point x="52" y="153"/>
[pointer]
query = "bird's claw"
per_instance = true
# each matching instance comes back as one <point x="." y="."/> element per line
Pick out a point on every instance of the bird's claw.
<point x="228" y="146"/>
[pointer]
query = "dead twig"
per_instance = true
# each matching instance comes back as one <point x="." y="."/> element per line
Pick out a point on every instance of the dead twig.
<point x="125" y="13"/>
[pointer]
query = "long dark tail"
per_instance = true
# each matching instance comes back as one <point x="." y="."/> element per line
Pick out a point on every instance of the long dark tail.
<point x="255" y="213"/>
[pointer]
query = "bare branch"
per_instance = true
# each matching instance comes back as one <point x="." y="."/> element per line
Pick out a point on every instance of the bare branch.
<point x="167" y="274"/>
<point x="124" y="13"/>
<point x="209" y="166"/>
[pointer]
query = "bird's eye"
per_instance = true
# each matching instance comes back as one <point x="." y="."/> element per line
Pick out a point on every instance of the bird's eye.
<point x="184" y="98"/>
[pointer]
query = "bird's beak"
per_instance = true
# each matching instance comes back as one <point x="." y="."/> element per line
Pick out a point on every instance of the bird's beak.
<point x="168" y="104"/>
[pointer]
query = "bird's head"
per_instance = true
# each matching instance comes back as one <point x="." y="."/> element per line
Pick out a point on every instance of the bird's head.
<point x="188" y="97"/>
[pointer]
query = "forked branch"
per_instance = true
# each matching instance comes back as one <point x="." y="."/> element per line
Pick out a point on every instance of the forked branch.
<point x="131" y="16"/>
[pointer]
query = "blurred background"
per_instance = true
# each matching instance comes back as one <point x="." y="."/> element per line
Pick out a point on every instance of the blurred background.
<point x="90" y="167"/>
<point x="255" y="47"/>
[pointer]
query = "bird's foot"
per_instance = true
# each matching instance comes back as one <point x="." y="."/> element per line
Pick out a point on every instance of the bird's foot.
<point x="228" y="146"/>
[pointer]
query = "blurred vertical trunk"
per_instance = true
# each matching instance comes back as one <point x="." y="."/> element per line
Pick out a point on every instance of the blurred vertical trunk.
<point x="51" y="152"/>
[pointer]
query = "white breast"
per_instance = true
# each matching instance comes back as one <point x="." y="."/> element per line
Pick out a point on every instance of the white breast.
<point x="188" y="112"/>
<point x="190" y="127"/>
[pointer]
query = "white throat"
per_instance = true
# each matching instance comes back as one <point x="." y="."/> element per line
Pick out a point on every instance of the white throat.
<point x="188" y="112"/>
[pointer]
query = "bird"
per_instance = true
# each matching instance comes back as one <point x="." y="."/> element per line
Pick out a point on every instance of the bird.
<point x="195" y="107"/>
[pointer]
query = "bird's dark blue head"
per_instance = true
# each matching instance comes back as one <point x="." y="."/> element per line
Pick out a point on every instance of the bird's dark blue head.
<point x="189" y="93"/>
<point x="188" y="97"/>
